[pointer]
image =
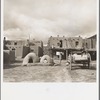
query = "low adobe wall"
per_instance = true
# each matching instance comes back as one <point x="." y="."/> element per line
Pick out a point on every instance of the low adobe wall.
<point x="8" y="56"/>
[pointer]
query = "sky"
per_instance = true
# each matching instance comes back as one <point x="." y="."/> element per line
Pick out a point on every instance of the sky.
<point x="40" y="19"/>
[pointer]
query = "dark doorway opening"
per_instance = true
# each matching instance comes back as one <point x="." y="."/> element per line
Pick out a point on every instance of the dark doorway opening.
<point x="93" y="55"/>
<point x="60" y="43"/>
<point x="64" y="54"/>
<point x="30" y="60"/>
<point x="15" y="43"/>
<point x="77" y="43"/>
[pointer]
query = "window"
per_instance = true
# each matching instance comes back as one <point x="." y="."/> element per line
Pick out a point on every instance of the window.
<point x="13" y="48"/>
<point x="60" y="43"/>
<point x="15" y="43"/>
<point x="77" y="43"/>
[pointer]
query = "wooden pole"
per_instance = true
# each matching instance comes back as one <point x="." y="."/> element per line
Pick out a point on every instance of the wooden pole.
<point x="70" y="62"/>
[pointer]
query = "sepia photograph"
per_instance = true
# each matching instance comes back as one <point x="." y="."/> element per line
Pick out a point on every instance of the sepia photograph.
<point x="49" y="49"/>
<point x="50" y="41"/>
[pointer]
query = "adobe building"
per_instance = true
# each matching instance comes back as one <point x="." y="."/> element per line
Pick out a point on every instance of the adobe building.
<point x="22" y="47"/>
<point x="90" y="44"/>
<point x="46" y="50"/>
<point x="64" y="45"/>
<point x="37" y="47"/>
<point x="18" y="46"/>
<point x="9" y="56"/>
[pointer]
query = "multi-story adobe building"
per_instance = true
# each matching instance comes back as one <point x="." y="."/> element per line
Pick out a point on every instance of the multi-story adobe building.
<point x="55" y="44"/>
<point x="23" y="47"/>
<point x="64" y="44"/>
<point x="68" y="44"/>
<point x="37" y="47"/>
<point x="90" y="44"/>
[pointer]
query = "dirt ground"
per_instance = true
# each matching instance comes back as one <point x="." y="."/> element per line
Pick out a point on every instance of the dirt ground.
<point x="15" y="72"/>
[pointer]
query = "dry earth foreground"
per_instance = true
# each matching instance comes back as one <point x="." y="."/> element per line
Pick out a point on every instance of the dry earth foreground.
<point x="60" y="73"/>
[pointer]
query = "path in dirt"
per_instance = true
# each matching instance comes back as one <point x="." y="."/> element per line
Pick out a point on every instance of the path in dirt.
<point x="59" y="73"/>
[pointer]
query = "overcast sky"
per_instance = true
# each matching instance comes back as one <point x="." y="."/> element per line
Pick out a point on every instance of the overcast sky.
<point x="44" y="18"/>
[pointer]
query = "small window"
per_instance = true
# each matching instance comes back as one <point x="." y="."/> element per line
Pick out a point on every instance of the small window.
<point x="77" y="43"/>
<point x="60" y="43"/>
<point x="13" y="48"/>
<point x="15" y="43"/>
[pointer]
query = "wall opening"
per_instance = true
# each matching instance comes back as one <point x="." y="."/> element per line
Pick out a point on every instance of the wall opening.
<point x="15" y="43"/>
<point x="76" y="43"/>
<point x="30" y="60"/>
<point x="13" y="48"/>
<point x="93" y="55"/>
<point x="60" y="43"/>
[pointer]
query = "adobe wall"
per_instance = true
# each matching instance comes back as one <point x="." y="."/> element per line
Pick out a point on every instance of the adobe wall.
<point x="67" y="42"/>
<point x="40" y="52"/>
<point x="45" y="50"/>
<point x="36" y="43"/>
<point x="15" y="42"/>
<point x="37" y="50"/>
<point x="18" y="49"/>
<point x="8" y="56"/>
<point x="90" y="43"/>
<point x="26" y="50"/>
<point x="12" y="56"/>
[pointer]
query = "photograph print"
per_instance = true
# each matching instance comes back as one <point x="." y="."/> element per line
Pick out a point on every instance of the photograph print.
<point x="50" y="41"/>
